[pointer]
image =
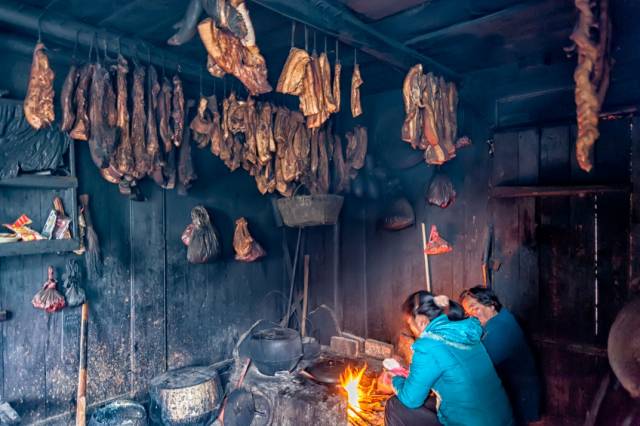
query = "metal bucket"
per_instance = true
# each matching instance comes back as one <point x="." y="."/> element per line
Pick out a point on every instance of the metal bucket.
<point x="310" y="210"/>
<point x="187" y="396"/>
<point x="119" y="413"/>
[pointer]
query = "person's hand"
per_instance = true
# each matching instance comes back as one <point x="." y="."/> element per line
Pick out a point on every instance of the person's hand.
<point x="384" y="384"/>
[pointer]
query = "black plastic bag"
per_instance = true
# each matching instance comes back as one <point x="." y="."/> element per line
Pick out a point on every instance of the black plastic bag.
<point x="399" y="215"/>
<point x="25" y="149"/>
<point x="204" y="242"/>
<point x="441" y="192"/>
<point x="73" y="293"/>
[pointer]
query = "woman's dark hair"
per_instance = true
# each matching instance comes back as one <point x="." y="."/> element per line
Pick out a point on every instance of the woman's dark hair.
<point x="423" y="303"/>
<point x="483" y="295"/>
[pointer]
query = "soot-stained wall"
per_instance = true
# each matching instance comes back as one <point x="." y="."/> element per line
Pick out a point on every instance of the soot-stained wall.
<point x="151" y="310"/>
<point x="379" y="268"/>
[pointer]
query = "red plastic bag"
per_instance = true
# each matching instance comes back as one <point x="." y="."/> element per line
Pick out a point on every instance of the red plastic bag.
<point x="437" y="244"/>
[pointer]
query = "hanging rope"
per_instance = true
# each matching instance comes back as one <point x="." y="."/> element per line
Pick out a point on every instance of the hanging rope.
<point x="119" y="46"/>
<point x="337" y="57"/>
<point x="355" y="56"/>
<point x="325" y="45"/>
<point x="200" y="82"/>
<point x="293" y="33"/>
<point x="306" y="38"/>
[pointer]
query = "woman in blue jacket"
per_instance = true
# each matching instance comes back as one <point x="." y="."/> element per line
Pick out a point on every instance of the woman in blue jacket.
<point x="449" y="360"/>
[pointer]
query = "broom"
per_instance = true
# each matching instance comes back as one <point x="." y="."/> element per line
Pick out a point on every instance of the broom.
<point x="92" y="255"/>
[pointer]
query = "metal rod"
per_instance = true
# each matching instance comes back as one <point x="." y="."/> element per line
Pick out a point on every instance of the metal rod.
<point x="60" y="28"/>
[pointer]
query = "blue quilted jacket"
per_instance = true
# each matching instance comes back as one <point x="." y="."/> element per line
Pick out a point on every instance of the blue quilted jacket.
<point x="450" y="359"/>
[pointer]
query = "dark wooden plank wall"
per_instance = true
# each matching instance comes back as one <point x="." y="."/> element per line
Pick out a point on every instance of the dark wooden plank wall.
<point x="147" y="314"/>
<point x="548" y="245"/>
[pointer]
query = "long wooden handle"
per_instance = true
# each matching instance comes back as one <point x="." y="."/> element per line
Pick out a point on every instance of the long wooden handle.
<point x="81" y="397"/>
<point x="305" y="297"/>
<point x="426" y="258"/>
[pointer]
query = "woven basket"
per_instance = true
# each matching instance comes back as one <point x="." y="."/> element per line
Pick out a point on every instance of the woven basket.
<point x="310" y="210"/>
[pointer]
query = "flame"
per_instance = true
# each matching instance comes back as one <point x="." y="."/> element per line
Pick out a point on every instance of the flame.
<point x="350" y="382"/>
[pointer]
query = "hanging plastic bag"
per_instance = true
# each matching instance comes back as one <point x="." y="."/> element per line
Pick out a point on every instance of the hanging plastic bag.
<point x="437" y="244"/>
<point x="399" y="215"/>
<point x="441" y="192"/>
<point x="247" y="249"/>
<point x="48" y="298"/>
<point x="204" y="243"/>
<point x="73" y="293"/>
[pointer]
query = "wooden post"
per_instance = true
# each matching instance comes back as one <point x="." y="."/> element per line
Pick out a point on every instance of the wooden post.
<point x="305" y="297"/>
<point x="81" y="398"/>
<point x="426" y="258"/>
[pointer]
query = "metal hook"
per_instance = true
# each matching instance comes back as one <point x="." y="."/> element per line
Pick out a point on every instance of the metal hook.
<point x="40" y="26"/>
<point x="355" y="56"/>
<point x="119" y="46"/>
<point x="200" y="81"/>
<point x="314" y="40"/>
<point x="91" y="46"/>
<point x="163" y="64"/>
<point x="325" y="45"/>
<point x="337" y="45"/>
<point x="306" y="38"/>
<point x="293" y="33"/>
<point x="75" y="46"/>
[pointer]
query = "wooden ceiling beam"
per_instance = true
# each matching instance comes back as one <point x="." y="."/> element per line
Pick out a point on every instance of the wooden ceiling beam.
<point x="467" y="26"/>
<point x="338" y="21"/>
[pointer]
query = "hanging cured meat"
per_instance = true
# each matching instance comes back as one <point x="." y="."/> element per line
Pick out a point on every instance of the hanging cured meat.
<point x="110" y="108"/>
<point x="357" y="147"/>
<point x="216" y="129"/>
<point x="38" y="104"/>
<point x="201" y="124"/>
<point x="412" y="89"/>
<point x="247" y="249"/>
<point x="341" y="169"/>
<point x="228" y="52"/>
<point x="49" y="298"/>
<point x="592" y="39"/>
<point x="316" y="120"/>
<point x="186" y="170"/>
<point x="102" y="138"/>
<point x="81" y="129"/>
<point x="325" y="78"/>
<point x="142" y="162"/>
<point x="309" y="102"/>
<point x="292" y="76"/>
<point x="264" y="133"/>
<point x="153" y="144"/>
<point x="164" y="114"/>
<point x="337" y="68"/>
<point x="66" y="98"/>
<point x="124" y="160"/>
<point x="177" y="112"/>
<point x="356" y="82"/>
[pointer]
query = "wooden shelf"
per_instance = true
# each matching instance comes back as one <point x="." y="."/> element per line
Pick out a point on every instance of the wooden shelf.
<point x="555" y="191"/>
<point x="22" y="248"/>
<point x="41" y="181"/>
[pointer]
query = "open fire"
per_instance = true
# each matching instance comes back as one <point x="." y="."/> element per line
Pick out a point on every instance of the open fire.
<point x="364" y="406"/>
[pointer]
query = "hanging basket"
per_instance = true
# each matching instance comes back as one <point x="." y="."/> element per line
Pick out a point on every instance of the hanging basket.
<point x="310" y="210"/>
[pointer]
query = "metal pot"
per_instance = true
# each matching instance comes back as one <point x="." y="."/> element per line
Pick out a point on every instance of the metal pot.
<point x="275" y="349"/>
<point x="119" y="413"/>
<point x="187" y="396"/>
